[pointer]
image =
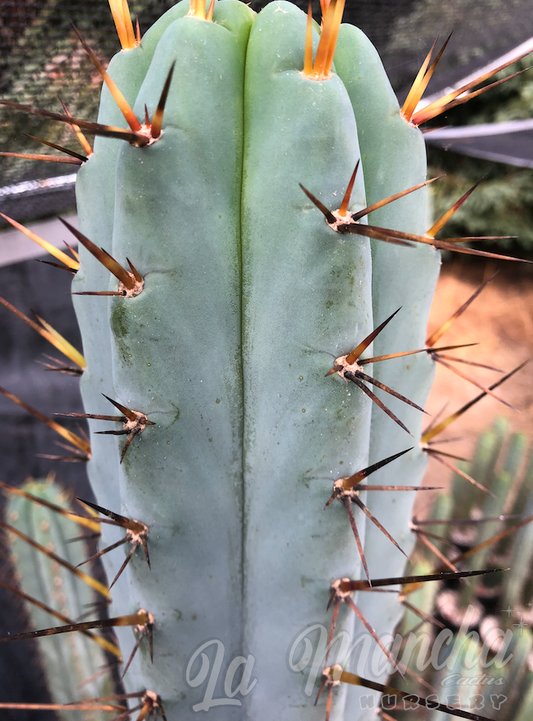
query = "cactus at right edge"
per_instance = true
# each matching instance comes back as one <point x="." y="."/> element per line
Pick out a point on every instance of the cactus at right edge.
<point x="484" y="663"/>
<point x="235" y="299"/>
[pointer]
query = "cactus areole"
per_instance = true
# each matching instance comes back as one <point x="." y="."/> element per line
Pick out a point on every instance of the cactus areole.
<point x="240" y="296"/>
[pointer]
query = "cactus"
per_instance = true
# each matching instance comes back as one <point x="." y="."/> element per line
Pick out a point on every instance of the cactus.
<point x="255" y="252"/>
<point x="491" y="616"/>
<point x="73" y="666"/>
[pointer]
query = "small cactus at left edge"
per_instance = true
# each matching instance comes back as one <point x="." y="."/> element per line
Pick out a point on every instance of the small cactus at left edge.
<point x="259" y="199"/>
<point x="55" y="593"/>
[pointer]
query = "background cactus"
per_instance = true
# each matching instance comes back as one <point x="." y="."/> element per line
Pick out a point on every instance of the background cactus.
<point x="75" y="664"/>
<point x="220" y="334"/>
<point x="490" y="616"/>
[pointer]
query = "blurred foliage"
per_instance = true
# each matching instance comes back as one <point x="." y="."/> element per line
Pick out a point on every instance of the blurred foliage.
<point x="478" y="28"/>
<point x="503" y="203"/>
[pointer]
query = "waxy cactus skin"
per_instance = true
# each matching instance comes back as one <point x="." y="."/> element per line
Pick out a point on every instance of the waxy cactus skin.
<point x="261" y="333"/>
<point x="394" y="158"/>
<point x="247" y="295"/>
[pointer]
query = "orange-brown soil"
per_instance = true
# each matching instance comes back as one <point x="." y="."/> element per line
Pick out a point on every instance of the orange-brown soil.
<point x="500" y="320"/>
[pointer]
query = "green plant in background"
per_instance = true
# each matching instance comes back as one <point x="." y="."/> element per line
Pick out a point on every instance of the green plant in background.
<point x="221" y="195"/>
<point x="506" y="193"/>
<point x="503" y="202"/>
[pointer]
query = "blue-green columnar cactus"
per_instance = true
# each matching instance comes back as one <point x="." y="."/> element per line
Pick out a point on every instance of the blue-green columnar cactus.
<point x="249" y="433"/>
<point x="253" y="218"/>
